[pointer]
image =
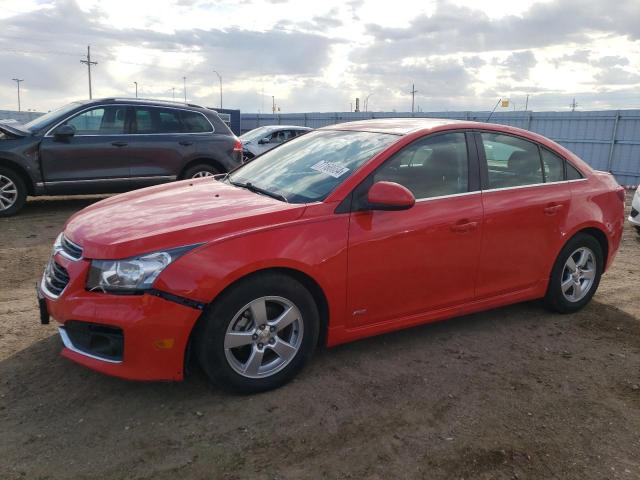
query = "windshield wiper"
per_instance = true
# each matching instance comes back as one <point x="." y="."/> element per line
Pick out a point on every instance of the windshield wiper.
<point x="252" y="188"/>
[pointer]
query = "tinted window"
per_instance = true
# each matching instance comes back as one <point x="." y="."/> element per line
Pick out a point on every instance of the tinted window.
<point x="431" y="167"/>
<point x="99" y="121"/>
<point x="194" y="122"/>
<point x="511" y="161"/>
<point x="553" y="166"/>
<point x="309" y="167"/>
<point x="572" y="172"/>
<point x="169" y="121"/>
<point x="143" y="121"/>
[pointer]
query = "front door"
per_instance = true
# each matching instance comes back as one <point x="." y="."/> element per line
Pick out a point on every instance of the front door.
<point x="92" y="160"/>
<point x="410" y="262"/>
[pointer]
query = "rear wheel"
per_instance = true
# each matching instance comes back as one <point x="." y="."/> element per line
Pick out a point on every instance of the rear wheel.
<point x="576" y="274"/>
<point x="13" y="192"/>
<point x="259" y="334"/>
<point x="200" y="171"/>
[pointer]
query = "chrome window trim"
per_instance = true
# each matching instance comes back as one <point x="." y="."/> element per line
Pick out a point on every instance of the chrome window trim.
<point x="117" y="179"/>
<point x="426" y="199"/>
<point x="498" y="189"/>
<point x="64" y="253"/>
<point x="48" y="134"/>
<point x="69" y="344"/>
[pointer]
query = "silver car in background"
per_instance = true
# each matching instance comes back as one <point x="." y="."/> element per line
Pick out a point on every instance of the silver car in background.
<point x="262" y="139"/>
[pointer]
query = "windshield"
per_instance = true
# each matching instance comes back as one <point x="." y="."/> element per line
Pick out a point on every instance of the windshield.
<point x="255" y="134"/>
<point x="43" y="120"/>
<point x="308" y="168"/>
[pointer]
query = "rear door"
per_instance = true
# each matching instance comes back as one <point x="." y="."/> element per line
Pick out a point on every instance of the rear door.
<point x="525" y="201"/>
<point x="405" y="263"/>
<point x="93" y="159"/>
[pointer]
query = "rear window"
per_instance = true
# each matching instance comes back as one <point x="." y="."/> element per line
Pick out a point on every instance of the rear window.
<point x="194" y="122"/>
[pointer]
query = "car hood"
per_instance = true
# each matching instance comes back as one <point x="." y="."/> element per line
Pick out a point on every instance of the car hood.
<point x="173" y="215"/>
<point x="13" y="129"/>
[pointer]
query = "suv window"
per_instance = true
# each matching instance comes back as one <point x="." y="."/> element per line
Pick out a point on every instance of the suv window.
<point x="99" y="121"/>
<point x="143" y="121"/>
<point x="169" y="121"/>
<point x="194" y="122"/>
<point x="511" y="161"/>
<point x="430" y="167"/>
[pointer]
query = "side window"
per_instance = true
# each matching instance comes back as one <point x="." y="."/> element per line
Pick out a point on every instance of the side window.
<point x="511" y="161"/>
<point x="169" y="121"/>
<point x="277" y="137"/>
<point x="144" y="120"/>
<point x="572" y="172"/>
<point x="431" y="167"/>
<point x="195" y="122"/>
<point x="99" y="121"/>
<point x="553" y="166"/>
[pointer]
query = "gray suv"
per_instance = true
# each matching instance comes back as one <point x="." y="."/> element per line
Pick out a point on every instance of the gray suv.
<point x="111" y="145"/>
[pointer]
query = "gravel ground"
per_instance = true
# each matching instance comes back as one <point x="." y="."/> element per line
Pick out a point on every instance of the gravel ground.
<point x="515" y="392"/>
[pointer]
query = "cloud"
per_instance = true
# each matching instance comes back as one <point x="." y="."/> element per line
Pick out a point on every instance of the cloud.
<point x="519" y="64"/>
<point x="617" y="76"/>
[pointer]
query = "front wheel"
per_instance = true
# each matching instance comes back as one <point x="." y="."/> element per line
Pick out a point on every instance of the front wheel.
<point x="576" y="274"/>
<point x="13" y="192"/>
<point x="259" y="334"/>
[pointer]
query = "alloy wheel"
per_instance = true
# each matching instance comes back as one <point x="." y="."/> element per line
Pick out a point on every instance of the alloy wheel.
<point x="263" y="337"/>
<point x="8" y="193"/>
<point x="578" y="274"/>
<point x="202" y="174"/>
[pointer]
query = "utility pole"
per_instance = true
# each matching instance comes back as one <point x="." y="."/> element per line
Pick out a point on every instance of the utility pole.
<point x="273" y="104"/>
<point x="18" y="80"/>
<point x="184" y="82"/>
<point x="220" y="80"/>
<point x="366" y="103"/>
<point x="357" y="105"/>
<point x="526" y="103"/>
<point x="88" y="63"/>
<point x="136" y="89"/>
<point x="173" y="93"/>
<point x="413" y="96"/>
<point x="573" y="105"/>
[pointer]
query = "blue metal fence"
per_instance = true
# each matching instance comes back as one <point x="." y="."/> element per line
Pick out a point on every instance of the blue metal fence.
<point x="607" y="140"/>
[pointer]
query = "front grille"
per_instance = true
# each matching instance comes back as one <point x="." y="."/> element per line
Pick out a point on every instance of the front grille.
<point x="634" y="213"/>
<point x="70" y="249"/>
<point x="55" y="278"/>
<point x="97" y="341"/>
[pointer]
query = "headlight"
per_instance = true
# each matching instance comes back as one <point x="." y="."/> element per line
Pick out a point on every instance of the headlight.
<point x="131" y="275"/>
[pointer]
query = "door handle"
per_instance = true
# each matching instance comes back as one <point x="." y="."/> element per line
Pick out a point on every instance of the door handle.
<point x="185" y="143"/>
<point x="552" y="209"/>
<point x="119" y="144"/>
<point x="464" y="226"/>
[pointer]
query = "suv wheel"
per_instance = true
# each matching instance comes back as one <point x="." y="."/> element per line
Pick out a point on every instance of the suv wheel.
<point x="13" y="192"/>
<point x="259" y="334"/>
<point x="200" y="171"/>
<point x="576" y="274"/>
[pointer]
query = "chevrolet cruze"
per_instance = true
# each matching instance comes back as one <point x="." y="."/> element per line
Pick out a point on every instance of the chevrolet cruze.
<point x="349" y="231"/>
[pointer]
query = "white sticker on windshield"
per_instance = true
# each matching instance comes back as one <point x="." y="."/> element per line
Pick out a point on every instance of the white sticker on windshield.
<point x="334" y="169"/>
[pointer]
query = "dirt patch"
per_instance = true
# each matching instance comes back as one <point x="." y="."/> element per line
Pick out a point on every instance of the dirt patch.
<point x="515" y="392"/>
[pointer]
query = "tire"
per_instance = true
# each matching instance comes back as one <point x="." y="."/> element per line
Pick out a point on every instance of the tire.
<point x="13" y="192"/>
<point x="201" y="170"/>
<point x="237" y="354"/>
<point x="570" y="289"/>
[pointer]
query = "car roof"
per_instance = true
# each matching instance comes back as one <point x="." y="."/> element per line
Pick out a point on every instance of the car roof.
<point x="286" y="127"/>
<point x="400" y="126"/>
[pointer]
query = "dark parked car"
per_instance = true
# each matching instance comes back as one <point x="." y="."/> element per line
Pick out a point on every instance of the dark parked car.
<point x="111" y="145"/>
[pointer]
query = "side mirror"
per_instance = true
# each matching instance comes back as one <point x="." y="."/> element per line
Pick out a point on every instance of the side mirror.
<point x="389" y="196"/>
<point x="64" y="131"/>
<point x="264" y="140"/>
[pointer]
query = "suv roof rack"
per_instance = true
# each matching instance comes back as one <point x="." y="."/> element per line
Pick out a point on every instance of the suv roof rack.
<point x="150" y="100"/>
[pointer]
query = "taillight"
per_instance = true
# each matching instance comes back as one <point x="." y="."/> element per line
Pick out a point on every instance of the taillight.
<point x="237" y="147"/>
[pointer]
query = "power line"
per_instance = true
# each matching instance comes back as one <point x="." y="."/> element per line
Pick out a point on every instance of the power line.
<point x="88" y="62"/>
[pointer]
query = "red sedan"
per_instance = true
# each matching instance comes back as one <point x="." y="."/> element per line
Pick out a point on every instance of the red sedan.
<point x="349" y="231"/>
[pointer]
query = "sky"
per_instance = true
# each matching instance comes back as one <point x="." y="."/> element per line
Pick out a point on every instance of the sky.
<point x="318" y="56"/>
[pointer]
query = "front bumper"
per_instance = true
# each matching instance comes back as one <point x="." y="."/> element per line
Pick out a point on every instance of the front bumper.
<point x="155" y="331"/>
